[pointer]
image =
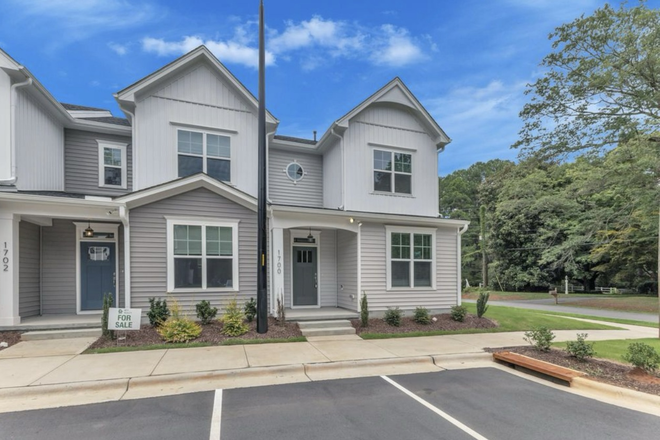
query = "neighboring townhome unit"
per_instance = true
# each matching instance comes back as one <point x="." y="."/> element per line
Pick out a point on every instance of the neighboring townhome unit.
<point x="163" y="202"/>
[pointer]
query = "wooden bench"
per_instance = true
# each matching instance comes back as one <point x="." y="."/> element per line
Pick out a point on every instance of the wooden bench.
<point x="515" y="359"/>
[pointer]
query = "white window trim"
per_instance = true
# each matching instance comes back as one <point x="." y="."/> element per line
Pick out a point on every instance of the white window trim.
<point x="171" y="221"/>
<point x="204" y="156"/>
<point x="410" y="230"/>
<point x="392" y="151"/>
<point x="124" y="166"/>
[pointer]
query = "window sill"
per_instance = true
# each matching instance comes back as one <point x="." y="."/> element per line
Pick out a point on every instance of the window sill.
<point x="112" y="186"/>
<point x="409" y="289"/>
<point x="201" y="290"/>
<point x="381" y="193"/>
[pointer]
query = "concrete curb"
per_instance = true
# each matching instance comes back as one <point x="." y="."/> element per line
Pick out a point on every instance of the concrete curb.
<point x="462" y="359"/>
<point x="370" y="367"/>
<point x="68" y="394"/>
<point x="617" y="395"/>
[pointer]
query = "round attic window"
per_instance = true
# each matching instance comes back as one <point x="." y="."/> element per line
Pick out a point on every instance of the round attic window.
<point x="294" y="171"/>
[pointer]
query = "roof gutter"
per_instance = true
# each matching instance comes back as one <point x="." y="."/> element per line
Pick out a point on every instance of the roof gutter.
<point x="12" y="140"/>
<point x="343" y="166"/>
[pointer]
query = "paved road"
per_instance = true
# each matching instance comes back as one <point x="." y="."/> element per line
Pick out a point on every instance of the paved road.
<point x="483" y="403"/>
<point x="549" y="306"/>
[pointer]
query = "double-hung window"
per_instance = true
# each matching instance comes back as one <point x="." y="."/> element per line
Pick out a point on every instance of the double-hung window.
<point x="201" y="152"/>
<point x="202" y="255"/>
<point x="112" y="164"/>
<point x="392" y="172"/>
<point x="410" y="257"/>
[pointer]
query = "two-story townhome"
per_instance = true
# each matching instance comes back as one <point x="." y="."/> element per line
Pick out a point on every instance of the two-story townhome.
<point x="164" y="202"/>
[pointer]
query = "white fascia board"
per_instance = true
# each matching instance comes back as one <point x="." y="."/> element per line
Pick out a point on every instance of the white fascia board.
<point x="181" y="186"/>
<point x="90" y="113"/>
<point x="22" y="197"/>
<point x="100" y="127"/>
<point x="372" y="216"/>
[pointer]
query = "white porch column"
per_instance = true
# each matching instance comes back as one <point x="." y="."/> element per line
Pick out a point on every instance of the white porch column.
<point x="9" y="314"/>
<point x="277" y="269"/>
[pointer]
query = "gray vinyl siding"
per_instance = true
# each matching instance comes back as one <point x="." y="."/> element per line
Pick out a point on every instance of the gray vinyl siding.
<point x="328" y="269"/>
<point x="59" y="267"/>
<point x="39" y="146"/>
<point x="149" y="248"/>
<point x="28" y="290"/>
<point x="81" y="162"/>
<point x="374" y="273"/>
<point x="306" y="192"/>
<point x="347" y="270"/>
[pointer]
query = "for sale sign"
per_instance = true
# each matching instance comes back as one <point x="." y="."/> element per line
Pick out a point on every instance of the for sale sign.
<point x="124" y="319"/>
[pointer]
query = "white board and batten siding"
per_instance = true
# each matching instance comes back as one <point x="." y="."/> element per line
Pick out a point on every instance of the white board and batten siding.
<point x="196" y="100"/>
<point x="29" y="274"/>
<point x="81" y="162"/>
<point x="392" y="128"/>
<point x="332" y="178"/>
<point x="306" y="192"/>
<point x="39" y="147"/>
<point x="374" y="273"/>
<point x="149" y="248"/>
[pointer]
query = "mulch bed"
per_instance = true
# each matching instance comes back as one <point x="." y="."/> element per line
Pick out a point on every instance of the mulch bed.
<point x="443" y="322"/>
<point x="211" y="334"/>
<point x="600" y="370"/>
<point x="10" y="338"/>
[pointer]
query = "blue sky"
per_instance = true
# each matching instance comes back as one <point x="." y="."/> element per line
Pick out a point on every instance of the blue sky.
<point x="467" y="61"/>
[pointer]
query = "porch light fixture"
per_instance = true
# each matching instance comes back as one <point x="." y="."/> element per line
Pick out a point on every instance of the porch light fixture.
<point x="351" y="220"/>
<point x="88" y="232"/>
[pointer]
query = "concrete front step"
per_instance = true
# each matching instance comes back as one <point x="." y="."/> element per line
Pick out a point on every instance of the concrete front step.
<point x="328" y="330"/>
<point x="61" y="334"/>
<point x="324" y="324"/>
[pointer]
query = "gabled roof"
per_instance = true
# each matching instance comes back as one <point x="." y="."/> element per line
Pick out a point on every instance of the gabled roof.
<point x="396" y="92"/>
<point x="183" y="185"/>
<point x="201" y="53"/>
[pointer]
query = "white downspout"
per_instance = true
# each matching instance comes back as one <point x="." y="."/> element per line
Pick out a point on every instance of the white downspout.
<point x="133" y="148"/>
<point x="123" y="216"/>
<point x="461" y="231"/>
<point x="12" y="123"/>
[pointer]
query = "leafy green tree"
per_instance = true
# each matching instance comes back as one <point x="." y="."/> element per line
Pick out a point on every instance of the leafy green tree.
<point x="600" y="87"/>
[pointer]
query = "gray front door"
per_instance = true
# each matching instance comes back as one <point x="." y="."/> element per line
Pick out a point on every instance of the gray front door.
<point x="305" y="276"/>
<point x="97" y="274"/>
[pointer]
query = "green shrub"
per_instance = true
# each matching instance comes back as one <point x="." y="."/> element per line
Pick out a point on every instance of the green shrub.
<point x="580" y="349"/>
<point x="179" y="330"/>
<point x="540" y="338"/>
<point x="421" y="316"/>
<point x="393" y="316"/>
<point x="158" y="312"/>
<point x="205" y="312"/>
<point x="364" y="311"/>
<point x="482" y="302"/>
<point x="232" y="320"/>
<point x="250" y="309"/>
<point x="108" y="300"/>
<point x="458" y="313"/>
<point x="642" y="356"/>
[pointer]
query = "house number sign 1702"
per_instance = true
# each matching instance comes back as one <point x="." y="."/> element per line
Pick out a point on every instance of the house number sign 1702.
<point x="5" y="258"/>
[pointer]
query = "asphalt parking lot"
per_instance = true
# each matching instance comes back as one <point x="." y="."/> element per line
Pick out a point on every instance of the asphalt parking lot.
<point x="481" y="403"/>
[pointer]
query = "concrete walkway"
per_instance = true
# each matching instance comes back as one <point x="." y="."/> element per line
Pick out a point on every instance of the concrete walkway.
<point x="548" y="305"/>
<point x="50" y="373"/>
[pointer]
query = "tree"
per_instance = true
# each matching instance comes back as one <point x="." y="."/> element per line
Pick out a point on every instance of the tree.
<point x="601" y="85"/>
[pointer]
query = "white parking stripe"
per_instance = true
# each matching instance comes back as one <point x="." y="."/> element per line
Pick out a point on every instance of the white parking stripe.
<point x="216" y="416"/>
<point x="438" y="411"/>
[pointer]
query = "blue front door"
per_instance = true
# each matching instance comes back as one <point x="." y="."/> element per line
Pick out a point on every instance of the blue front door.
<point x="98" y="273"/>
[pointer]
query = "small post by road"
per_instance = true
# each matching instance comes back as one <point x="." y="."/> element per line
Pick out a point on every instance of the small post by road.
<point x="566" y="284"/>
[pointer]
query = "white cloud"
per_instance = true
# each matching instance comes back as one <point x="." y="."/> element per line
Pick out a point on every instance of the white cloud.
<point x="312" y="43"/>
<point x="229" y="52"/>
<point x="119" y="49"/>
<point x="77" y="20"/>
<point x="398" y="48"/>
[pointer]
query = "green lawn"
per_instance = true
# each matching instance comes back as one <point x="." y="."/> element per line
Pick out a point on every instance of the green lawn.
<point x="518" y="296"/>
<point x="510" y="319"/>
<point x="232" y="341"/>
<point x="616" y="348"/>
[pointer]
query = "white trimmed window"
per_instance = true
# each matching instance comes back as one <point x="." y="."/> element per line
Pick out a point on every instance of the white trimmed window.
<point x="202" y="255"/>
<point x="112" y="164"/>
<point x="410" y="257"/>
<point x="202" y="152"/>
<point x="392" y="172"/>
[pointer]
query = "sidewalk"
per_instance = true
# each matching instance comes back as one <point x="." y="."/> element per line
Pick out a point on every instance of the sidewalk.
<point x="50" y="373"/>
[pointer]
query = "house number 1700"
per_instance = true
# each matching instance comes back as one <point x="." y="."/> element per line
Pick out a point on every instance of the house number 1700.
<point x="5" y="258"/>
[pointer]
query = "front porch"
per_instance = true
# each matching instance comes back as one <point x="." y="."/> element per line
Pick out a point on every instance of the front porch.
<point x="56" y="322"/>
<point x="320" y="314"/>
